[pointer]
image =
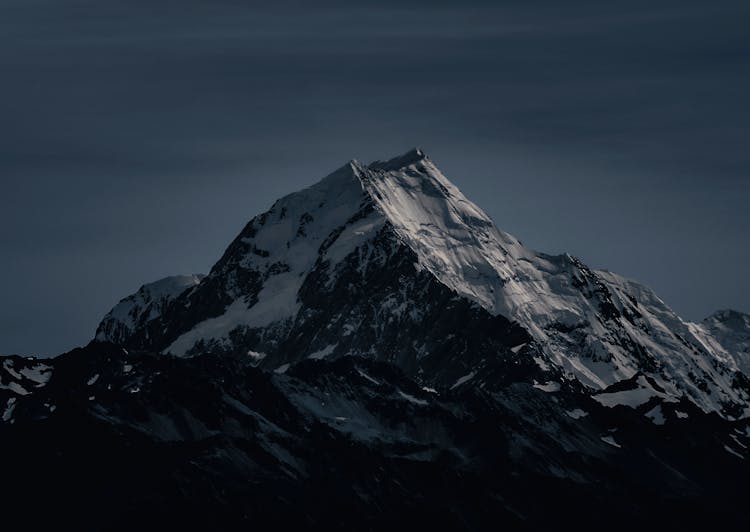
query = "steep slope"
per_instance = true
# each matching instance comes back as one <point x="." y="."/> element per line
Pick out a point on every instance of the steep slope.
<point x="390" y="261"/>
<point x="147" y="304"/>
<point x="728" y="331"/>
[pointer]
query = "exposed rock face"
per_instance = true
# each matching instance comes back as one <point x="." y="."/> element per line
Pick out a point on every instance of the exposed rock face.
<point x="135" y="312"/>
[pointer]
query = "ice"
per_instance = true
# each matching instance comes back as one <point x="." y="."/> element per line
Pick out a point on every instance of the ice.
<point x="681" y="415"/>
<point x="92" y="380"/>
<point x="281" y="369"/>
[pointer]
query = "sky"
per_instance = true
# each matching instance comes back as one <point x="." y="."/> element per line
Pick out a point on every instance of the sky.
<point x="138" y="137"/>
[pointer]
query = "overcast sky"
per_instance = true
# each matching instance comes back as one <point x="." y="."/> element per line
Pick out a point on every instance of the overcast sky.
<point x="137" y="137"/>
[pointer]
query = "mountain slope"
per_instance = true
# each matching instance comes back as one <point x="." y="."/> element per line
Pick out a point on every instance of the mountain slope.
<point x="728" y="330"/>
<point x="112" y="440"/>
<point x="373" y="353"/>
<point x="148" y="303"/>
<point x="390" y="261"/>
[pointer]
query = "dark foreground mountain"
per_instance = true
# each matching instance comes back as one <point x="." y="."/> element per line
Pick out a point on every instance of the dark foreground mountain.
<point x="147" y="441"/>
<point x="374" y="353"/>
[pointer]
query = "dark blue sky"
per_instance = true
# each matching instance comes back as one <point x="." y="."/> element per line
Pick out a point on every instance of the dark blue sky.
<point x="137" y="137"/>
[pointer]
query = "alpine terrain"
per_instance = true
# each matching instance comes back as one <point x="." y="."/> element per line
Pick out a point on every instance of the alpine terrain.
<point x="374" y="352"/>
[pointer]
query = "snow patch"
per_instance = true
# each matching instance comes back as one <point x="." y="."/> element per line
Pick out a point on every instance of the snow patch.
<point x="549" y="387"/>
<point x="321" y="354"/>
<point x="577" y="413"/>
<point x="412" y="399"/>
<point x="610" y="440"/>
<point x="8" y="365"/>
<point x="39" y="373"/>
<point x="464" y="379"/>
<point x="15" y="388"/>
<point x="256" y="355"/>
<point x="656" y="415"/>
<point x="366" y="376"/>
<point x="9" y="407"/>
<point x="728" y="449"/>
<point x="632" y="398"/>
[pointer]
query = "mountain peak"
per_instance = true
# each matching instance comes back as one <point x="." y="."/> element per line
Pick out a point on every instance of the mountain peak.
<point x="413" y="156"/>
<point x="728" y="315"/>
<point x="349" y="263"/>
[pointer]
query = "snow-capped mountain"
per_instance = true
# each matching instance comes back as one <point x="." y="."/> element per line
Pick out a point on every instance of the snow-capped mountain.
<point x="727" y="331"/>
<point x="373" y="353"/>
<point x="148" y="303"/>
<point x="391" y="261"/>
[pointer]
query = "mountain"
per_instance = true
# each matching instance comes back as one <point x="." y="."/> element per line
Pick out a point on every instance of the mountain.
<point x="373" y="352"/>
<point x="729" y="330"/>
<point x="105" y="439"/>
<point x="148" y="303"/>
<point x="391" y="261"/>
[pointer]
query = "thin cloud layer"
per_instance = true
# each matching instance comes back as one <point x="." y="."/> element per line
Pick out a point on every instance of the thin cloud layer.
<point x="138" y="137"/>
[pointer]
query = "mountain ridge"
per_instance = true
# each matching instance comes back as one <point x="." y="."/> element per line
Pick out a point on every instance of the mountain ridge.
<point x="341" y="238"/>
<point x="348" y="364"/>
